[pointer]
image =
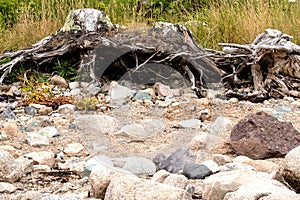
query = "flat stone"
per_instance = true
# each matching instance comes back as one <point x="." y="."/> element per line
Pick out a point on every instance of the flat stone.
<point x="261" y="136"/>
<point x="7" y="187"/>
<point x="137" y="165"/>
<point x="196" y="171"/>
<point x="190" y="123"/>
<point x="135" y="131"/>
<point x="10" y="170"/>
<point x="73" y="149"/>
<point x="42" y="157"/>
<point x="49" y="131"/>
<point x="34" y="139"/>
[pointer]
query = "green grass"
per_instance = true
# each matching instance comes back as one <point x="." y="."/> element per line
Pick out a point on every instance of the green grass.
<point x="210" y="21"/>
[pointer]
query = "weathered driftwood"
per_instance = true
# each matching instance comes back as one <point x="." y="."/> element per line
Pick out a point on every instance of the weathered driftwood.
<point x="86" y="29"/>
<point x="82" y="32"/>
<point x="271" y="64"/>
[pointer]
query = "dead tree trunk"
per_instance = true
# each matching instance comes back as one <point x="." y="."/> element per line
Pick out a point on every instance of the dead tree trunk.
<point x="269" y="65"/>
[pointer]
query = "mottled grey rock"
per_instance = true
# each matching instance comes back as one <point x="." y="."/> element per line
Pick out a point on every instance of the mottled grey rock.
<point x="142" y="95"/>
<point x="30" y="110"/>
<point x="190" y="123"/>
<point x="176" y="161"/>
<point x="10" y="170"/>
<point x="196" y="171"/>
<point x="8" y="113"/>
<point x="261" y="135"/>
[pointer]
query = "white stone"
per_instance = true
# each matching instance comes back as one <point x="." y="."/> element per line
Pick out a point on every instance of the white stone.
<point x="73" y="149"/>
<point x="267" y="190"/>
<point x="7" y="187"/>
<point x="133" y="188"/>
<point x="34" y="139"/>
<point x="42" y="158"/>
<point x="10" y="169"/>
<point x="212" y="165"/>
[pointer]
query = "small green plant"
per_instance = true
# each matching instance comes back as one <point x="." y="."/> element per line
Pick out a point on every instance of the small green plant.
<point x="86" y="103"/>
<point x="65" y="70"/>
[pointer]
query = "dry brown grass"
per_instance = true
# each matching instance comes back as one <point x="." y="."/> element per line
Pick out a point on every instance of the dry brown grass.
<point x="230" y="21"/>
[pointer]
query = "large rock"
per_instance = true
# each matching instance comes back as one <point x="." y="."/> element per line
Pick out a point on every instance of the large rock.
<point x="176" y="161"/>
<point x="218" y="185"/>
<point x="261" y="135"/>
<point x="133" y="188"/>
<point x="268" y="190"/>
<point x="101" y="176"/>
<point x="291" y="169"/>
<point x="10" y="170"/>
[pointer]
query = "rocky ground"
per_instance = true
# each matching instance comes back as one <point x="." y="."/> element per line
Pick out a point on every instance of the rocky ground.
<point x="128" y="142"/>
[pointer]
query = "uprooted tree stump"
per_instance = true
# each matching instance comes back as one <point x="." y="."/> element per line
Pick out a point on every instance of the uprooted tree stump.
<point x="269" y="65"/>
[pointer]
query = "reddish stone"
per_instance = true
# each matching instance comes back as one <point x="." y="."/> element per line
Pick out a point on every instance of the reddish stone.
<point x="261" y="135"/>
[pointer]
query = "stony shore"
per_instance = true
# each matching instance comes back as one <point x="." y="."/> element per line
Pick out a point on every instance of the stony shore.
<point x="147" y="143"/>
